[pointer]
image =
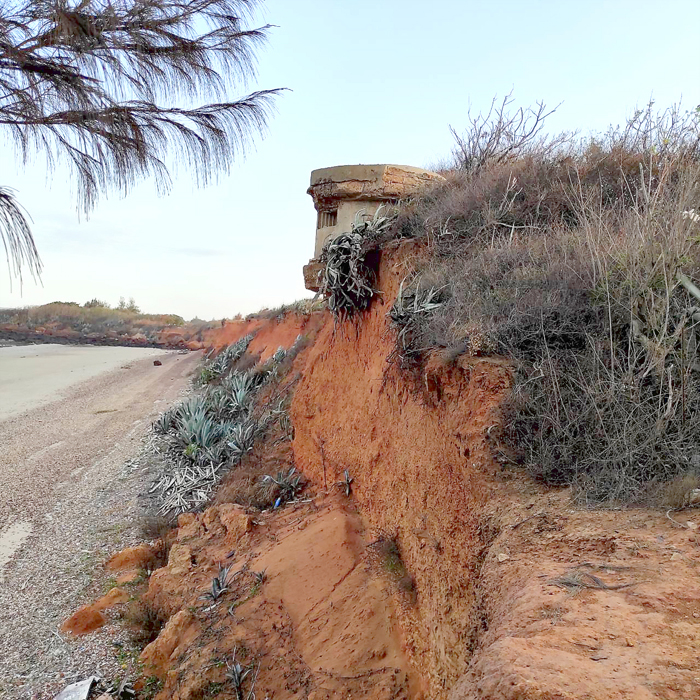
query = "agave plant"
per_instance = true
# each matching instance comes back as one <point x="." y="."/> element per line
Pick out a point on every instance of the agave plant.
<point x="219" y="403"/>
<point x="238" y="674"/>
<point x="220" y="365"/>
<point x="411" y="306"/>
<point x="284" y="487"/>
<point x="219" y="585"/>
<point x="193" y="407"/>
<point x="240" y="388"/>
<point x="199" y="430"/>
<point x="216" y="453"/>
<point x="165" y="422"/>
<point x="347" y="282"/>
<point x="240" y="438"/>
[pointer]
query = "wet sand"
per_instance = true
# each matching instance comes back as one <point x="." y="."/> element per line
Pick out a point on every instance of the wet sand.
<point x="35" y="375"/>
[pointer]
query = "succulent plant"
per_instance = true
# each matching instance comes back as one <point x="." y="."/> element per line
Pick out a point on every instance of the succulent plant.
<point x="411" y="305"/>
<point x="238" y="674"/>
<point x="240" y="438"/>
<point x="219" y="584"/>
<point x="347" y="282"/>
<point x="284" y="487"/>
<point x="165" y="422"/>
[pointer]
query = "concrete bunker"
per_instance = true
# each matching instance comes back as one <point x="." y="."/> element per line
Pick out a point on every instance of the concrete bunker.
<point x="342" y="192"/>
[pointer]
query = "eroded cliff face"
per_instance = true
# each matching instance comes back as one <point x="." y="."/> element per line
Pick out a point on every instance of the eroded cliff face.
<point x="418" y="453"/>
<point x="516" y="593"/>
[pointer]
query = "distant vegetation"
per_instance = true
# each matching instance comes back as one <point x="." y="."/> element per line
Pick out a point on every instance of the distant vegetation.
<point x="93" y="317"/>
<point x="575" y="258"/>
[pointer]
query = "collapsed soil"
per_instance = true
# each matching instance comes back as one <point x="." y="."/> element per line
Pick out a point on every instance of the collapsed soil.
<point x="318" y="622"/>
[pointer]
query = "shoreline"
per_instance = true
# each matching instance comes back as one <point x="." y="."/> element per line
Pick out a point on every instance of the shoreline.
<point x="38" y="374"/>
<point x="10" y="338"/>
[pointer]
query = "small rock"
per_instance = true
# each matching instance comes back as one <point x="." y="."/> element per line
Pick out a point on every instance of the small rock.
<point x="157" y="363"/>
<point x="83" y="621"/>
<point x="676" y="556"/>
<point x="691" y="525"/>
<point x="502" y="556"/>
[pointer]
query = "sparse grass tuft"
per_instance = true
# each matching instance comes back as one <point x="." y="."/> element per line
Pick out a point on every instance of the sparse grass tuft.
<point x="386" y="556"/>
<point x="144" y="620"/>
<point x="151" y="687"/>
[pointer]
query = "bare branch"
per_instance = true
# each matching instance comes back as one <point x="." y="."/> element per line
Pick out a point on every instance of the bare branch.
<point x="502" y="135"/>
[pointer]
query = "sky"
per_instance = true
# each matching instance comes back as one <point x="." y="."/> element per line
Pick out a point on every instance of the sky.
<point x="370" y="81"/>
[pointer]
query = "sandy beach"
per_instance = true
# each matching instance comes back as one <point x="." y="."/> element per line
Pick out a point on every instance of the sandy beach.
<point x="71" y="418"/>
<point x="35" y="375"/>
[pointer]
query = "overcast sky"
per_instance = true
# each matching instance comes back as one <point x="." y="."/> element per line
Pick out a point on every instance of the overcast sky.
<point x="372" y="81"/>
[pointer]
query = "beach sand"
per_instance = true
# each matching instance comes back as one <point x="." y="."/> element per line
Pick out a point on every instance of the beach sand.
<point x="35" y="375"/>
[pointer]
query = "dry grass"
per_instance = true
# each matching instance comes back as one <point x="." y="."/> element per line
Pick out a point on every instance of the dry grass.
<point x="574" y="262"/>
<point x="144" y="620"/>
<point x="676" y="494"/>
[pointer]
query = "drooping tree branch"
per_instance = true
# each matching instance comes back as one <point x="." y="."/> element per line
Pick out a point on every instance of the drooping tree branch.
<point x="16" y="237"/>
<point x="112" y="88"/>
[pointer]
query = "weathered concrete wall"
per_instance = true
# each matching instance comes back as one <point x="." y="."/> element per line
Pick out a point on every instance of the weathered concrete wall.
<point x="339" y="193"/>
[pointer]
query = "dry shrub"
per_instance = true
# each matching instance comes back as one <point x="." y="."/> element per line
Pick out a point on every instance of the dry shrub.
<point x="161" y="529"/>
<point x="144" y="620"/>
<point x="155" y="527"/>
<point x="569" y="262"/>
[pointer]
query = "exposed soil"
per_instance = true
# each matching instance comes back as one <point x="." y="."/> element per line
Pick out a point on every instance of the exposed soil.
<point x="269" y="334"/>
<point x="319" y="625"/>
